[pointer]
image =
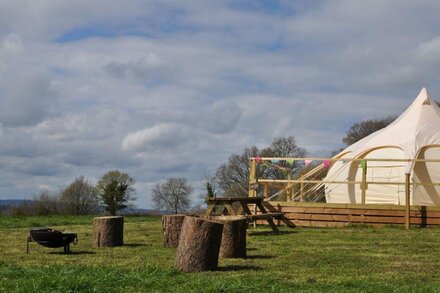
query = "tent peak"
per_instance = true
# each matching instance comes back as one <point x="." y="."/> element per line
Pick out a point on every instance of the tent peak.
<point x="423" y="97"/>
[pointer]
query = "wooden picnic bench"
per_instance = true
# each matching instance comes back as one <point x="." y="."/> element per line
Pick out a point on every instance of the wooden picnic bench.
<point x="239" y="206"/>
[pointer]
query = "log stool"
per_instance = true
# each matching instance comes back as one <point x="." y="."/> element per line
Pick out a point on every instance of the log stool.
<point x="108" y="231"/>
<point x="171" y="226"/>
<point x="199" y="245"/>
<point x="234" y="237"/>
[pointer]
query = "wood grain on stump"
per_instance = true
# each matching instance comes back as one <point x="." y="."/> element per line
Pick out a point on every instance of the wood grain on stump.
<point x="234" y="237"/>
<point x="199" y="245"/>
<point x="171" y="226"/>
<point x="108" y="231"/>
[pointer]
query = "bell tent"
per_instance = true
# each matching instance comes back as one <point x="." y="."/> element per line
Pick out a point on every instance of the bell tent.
<point x="415" y="134"/>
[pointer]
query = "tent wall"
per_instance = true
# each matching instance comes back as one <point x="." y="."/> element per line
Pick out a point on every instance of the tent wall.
<point x="335" y="192"/>
<point x="382" y="171"/>
<point x="377" y="171"/>
<point x="427" y="172"/>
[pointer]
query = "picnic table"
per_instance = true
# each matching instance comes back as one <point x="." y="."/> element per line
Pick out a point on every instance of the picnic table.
<point x="239" y="206"/>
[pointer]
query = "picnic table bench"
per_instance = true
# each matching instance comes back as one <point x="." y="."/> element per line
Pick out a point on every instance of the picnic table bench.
<point x="241" y="208"/>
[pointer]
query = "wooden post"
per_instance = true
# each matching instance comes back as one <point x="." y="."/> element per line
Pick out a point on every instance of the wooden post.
<point x="255" y="212"/>
<point x="171" y="226"/>
<point x="292" y="197"/>
<point x="288" y="188"/>
<point x="199" y="245"/>
<point x="364" y="182"/>
<point x="108" y="231"/>
<point x="253" y="181"/>
<point x="266" y="190"/>
<point x="252" y="178"/>
<point x="301" y="194"/>
<point x="407" y="200"/>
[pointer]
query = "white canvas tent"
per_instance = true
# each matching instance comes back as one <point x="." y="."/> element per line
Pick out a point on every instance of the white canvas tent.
<point x="415" y="134"/>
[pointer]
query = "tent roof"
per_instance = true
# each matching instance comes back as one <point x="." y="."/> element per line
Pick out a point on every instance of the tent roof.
<point x="415" y="128"/>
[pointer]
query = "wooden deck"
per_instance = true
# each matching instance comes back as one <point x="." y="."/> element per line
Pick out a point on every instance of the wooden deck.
<point x="339" y="215"/>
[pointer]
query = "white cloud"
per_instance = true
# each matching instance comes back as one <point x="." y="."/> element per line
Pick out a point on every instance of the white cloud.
<point x="158" y="137"/>
<point x="171" y="88"/>
<point x="221" y="117"/>
<point x="27" y="98"/>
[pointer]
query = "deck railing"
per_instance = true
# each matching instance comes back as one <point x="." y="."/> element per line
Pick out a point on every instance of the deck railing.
<point x="297" y="181"/>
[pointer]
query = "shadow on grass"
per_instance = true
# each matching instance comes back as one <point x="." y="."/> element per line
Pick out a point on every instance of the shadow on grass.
<point x="134" y="244"/>
<point x="81" y="252"/>
<point x="270" y="233"/>
<point x="231" y="268"/>
<point x="260" y="256"/>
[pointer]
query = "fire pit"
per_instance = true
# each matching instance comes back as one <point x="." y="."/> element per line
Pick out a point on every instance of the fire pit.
<point x="51" y="238"/>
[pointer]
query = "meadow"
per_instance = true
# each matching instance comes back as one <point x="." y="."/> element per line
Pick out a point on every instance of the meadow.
<point x="352" y="259"/>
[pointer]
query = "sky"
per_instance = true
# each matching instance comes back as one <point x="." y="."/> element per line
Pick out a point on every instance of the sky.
<point x="169" y="88"/>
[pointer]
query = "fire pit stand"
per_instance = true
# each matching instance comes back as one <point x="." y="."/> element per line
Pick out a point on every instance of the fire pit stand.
<point x="51" y="238"/>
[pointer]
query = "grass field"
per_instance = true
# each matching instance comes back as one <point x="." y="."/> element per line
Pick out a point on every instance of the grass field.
<point x="309" y="259"/>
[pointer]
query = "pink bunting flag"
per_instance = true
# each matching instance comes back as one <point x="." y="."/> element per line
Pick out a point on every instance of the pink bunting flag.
<point x="326" y="163"/>
<point x="258" y="159"/>
<point x="307" y="162"/>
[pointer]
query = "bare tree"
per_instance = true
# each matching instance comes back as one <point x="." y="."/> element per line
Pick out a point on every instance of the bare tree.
<point x="364" y="128"/>
<point x="233" y="177"/>
<point x="116" y="190"/>
<point x="210" y="186"/>
<point x="173" y="195"/>
<point x="80" y="197"/>
<point x="47" y="203"/>
<point x="282" y="147"/>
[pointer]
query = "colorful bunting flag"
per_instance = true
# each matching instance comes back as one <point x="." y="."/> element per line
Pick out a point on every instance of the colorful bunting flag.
<point x="307" y="162"/>
<point x="275" y="161"/>
<point x="326" y="163"/>
<point x="258" y="159"/>
<point x="364" y="165"/>
<point x="290" y="161"/>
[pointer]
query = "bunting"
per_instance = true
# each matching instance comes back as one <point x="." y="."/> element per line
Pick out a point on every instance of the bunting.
<point x="364" y="165"/>
<point x="325" y="163"/>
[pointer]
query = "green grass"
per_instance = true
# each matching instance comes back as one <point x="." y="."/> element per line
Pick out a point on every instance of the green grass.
<point x="354" y="259"/>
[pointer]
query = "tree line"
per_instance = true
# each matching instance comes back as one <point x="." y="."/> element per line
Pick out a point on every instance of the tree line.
<point x="114" y="192"/>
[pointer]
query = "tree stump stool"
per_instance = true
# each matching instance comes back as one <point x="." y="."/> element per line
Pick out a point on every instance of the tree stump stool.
<point x="108" y="231"/>
<point x="171" y="226"/>
<point x="199" y="245"/>
<point x="234" y="237"/>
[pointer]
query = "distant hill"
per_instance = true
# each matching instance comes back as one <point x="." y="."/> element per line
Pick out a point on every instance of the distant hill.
<point x="9" y="202"/>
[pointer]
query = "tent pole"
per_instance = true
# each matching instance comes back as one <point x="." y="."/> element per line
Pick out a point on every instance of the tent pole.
<point x="364" y="183"/>
<point x="407" y="201"/>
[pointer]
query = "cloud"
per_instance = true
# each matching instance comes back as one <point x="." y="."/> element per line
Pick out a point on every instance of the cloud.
<point x="171" y="88"/>
<point x="27" y="98"/>
<point x="38" y="166"/>
<point x="158" y="137"/>
<point x="143" y="67"/>
<point x="221" y="117"/>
